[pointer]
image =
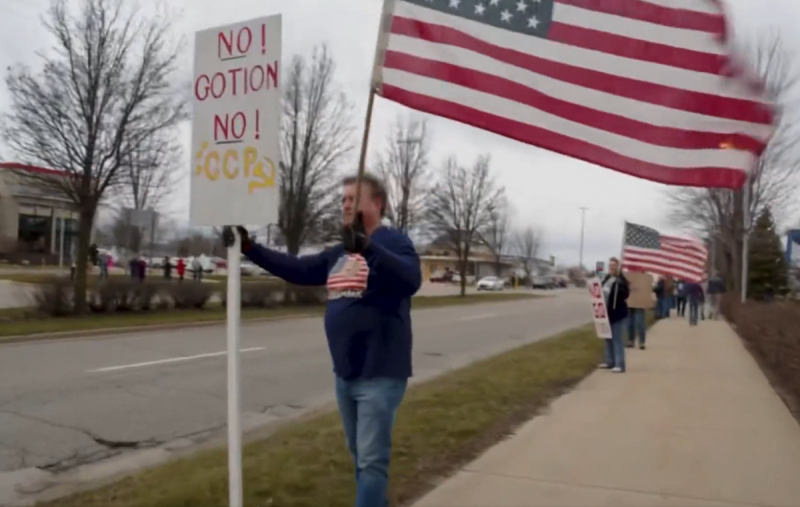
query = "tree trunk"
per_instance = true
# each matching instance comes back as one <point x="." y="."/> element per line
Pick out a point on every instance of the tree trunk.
<point x="82" y="263"/>
<point x="463" y="272"/>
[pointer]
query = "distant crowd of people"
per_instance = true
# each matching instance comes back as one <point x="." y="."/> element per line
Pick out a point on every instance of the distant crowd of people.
<point x="670" y="293"/>
<point x="673" y="294"/>
<point x="137" y="268"/>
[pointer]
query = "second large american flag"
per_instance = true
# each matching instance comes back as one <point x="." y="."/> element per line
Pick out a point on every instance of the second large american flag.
<point x="639" y="86"/>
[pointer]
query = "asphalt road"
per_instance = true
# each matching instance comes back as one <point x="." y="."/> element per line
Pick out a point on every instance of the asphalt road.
<point x="70" y="402"/>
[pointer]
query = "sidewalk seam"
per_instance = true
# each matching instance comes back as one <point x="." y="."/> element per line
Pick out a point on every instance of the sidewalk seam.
<point x="614" y="488"/>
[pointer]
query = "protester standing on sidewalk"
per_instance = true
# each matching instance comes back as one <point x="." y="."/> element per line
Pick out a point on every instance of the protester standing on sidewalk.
<point x="658" y="290"/>
<point x="616" y="290"/>
<point x="694" y="293"/>
<point x="682" y="294"/>
<point x="371" y="277"/>
<point x="637" y="325"/>
<point x="669" y="288"/>
<point x="716" y="288"/>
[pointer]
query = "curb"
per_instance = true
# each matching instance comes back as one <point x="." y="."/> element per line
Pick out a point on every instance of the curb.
<point x="88" y="333"/>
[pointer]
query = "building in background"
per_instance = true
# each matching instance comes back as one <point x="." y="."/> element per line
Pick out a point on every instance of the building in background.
<point x="32" y="218"/>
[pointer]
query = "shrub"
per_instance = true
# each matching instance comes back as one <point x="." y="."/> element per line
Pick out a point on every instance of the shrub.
<point x="56" y="299"/>
<point x="770" y="331"/>
<point x="306" y="296"/>
<point x="188" y="295"/>
<point x="124" y="296"/>
<point x="261" y="295"/>
<point x="270" y="294"/>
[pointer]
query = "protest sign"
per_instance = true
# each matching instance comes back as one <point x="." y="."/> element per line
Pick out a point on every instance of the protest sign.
<point x="641" y="290"/>
<point x="601" y="324"/>
<point x="236" y="124"/>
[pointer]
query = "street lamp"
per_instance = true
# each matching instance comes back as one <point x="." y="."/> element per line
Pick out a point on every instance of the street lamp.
<point x="583" y="224"/>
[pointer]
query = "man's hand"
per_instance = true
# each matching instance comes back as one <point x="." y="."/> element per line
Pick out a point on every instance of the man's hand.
<point x="354" y="236"/>
<point x="228" y="238"/>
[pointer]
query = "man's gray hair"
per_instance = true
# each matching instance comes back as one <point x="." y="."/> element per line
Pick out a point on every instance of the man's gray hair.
<point x="376" y="186"/>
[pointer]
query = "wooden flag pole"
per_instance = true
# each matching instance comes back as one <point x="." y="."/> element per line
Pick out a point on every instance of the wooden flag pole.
<point x="364" y="143"/>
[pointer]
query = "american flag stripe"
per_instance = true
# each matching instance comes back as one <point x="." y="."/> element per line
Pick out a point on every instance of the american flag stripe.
<point x="665" y="15"/>
<point x="654" y="125"/>
<point x="600" y="87"/>
<point x="570" y="63"/>
<point x="644" y="249"/>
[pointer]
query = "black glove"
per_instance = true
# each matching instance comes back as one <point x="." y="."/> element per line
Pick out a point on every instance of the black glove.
<point x="228" y="238"/>
<point x="354" y="236"/>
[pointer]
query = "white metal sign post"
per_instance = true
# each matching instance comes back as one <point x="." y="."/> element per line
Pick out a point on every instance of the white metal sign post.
<point x="234" y="170"/>
<point x="601" y="324"/>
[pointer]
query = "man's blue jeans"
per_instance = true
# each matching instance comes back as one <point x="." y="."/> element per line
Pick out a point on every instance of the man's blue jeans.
<point x="615" y="347"/>
<point x="637" y="325"/>
<point x="368" y="408"/>
<point x="666" y="307"/>
<point x="694" y="306"/>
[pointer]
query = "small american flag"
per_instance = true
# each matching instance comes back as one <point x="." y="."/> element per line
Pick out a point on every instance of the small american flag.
<point x="350" y="273"/>
<point x="645" y="249"/>
<point x="644" y="87"/>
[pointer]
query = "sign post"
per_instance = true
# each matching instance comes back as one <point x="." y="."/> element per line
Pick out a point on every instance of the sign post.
<point x="234" y="173"/>
<point x="601" y="324"/>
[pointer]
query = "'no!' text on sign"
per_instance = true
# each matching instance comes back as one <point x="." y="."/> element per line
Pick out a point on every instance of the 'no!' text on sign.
<point x="599" y="312"/>
<point x="236" y="124"/>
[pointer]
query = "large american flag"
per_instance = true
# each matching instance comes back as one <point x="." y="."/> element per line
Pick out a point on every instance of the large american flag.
<point x="647" y="250"/>
<point x="644" y="87"/>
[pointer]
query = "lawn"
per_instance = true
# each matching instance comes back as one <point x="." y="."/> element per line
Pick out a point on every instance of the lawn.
<point x="17" y="322"/>
<point x="442" y="425"/>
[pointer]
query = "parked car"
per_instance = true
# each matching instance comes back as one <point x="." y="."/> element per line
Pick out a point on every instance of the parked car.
<point x="543" y="282"/>
<point x="249" y="269"/>
<point x="490" y="283"/>
<point x="442" y="276"/>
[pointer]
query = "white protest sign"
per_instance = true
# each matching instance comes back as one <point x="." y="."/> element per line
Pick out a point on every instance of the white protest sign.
<point x="236" y="124"/>
<point x="601" y="324"/>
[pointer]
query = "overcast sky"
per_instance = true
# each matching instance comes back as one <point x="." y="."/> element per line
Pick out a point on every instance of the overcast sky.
<point x="546" y="189"/>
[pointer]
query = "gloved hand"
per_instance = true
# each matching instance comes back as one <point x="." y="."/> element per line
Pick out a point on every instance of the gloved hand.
<point x="354" y="236"/>
<point x="228" y="238"/>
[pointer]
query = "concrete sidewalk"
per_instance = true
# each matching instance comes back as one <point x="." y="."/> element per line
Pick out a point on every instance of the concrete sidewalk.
<point x="692" y="423"/>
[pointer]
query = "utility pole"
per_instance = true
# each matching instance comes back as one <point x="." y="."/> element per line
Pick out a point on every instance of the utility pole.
<point x="583" y="224"/>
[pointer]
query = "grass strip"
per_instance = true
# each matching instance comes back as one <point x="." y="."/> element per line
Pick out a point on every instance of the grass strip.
<point x="24" y="322"/>
<point x="442" y="425"/>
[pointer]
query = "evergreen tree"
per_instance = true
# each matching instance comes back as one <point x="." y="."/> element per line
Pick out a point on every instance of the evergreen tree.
<point x="768" y="268"/>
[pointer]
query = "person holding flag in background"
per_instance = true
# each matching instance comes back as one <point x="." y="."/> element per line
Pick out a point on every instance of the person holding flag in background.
<point x="371" y="276"/>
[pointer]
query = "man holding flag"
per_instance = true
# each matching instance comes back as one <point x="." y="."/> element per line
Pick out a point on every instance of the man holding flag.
<point x="371" y="277"/>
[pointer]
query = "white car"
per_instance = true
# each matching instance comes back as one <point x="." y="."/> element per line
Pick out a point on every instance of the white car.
<point x="491" y="283"/>
<point x="249" y="269"/>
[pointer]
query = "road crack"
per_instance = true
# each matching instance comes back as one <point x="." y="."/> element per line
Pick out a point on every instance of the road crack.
<point x="75" y="458"/>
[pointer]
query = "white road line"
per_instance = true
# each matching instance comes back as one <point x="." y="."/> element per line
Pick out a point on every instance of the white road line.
<point x="167" y="361"/>
<point x="479" y="316"/>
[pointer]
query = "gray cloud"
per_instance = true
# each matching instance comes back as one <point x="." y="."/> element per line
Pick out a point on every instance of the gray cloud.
<point x="547" y="189"/>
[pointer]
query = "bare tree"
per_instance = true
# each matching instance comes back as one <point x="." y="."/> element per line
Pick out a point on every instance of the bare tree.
<point x="497" y="231"/>
<point x="718" y="214"/>
<point x="150" y="171"/>
<point x="403" y="168"/>
<point x="108" y="86"/>
<point x="460" y="206"/>
<point x="316" y="139"/>
<point x="526" y="244"/>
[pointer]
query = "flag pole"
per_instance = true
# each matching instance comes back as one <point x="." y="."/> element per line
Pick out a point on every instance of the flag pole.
<point x="233" y="309"/>
<point x="362" y="159"/>
<point x="745" y="238"/>
<point x="374" y="88"/>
